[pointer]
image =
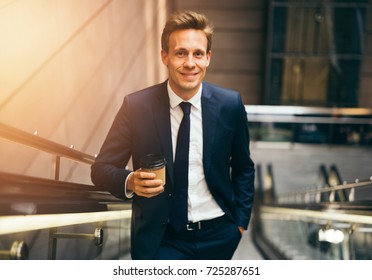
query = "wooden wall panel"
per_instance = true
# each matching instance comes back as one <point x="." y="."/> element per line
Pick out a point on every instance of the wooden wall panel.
<point x="235" y="40"/>
<point x="249" y="86"/>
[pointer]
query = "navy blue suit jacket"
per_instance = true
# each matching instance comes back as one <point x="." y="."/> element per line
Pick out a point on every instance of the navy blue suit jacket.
<point x="142" y="126"/>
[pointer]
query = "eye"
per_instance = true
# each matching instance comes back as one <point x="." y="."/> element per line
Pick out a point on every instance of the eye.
<point x="199" y="54"/>
<point x="180" y="53"/>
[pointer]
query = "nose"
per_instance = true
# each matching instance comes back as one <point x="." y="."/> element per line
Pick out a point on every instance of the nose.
<point x="189" y="61"/>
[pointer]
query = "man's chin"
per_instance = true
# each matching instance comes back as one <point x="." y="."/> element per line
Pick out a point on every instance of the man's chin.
<point x="189" y="85"/>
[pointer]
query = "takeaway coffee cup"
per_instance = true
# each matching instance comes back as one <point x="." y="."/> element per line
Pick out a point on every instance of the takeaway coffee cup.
<point x="155" y="164"/>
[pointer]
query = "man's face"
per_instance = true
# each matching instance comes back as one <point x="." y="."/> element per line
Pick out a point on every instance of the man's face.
<point x="187" y="61"/>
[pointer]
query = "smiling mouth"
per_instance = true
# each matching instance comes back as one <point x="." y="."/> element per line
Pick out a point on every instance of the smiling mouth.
<point x="191" y="75"/>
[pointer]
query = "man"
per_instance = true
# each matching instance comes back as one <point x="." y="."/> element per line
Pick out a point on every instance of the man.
<point x="207" y="220"/>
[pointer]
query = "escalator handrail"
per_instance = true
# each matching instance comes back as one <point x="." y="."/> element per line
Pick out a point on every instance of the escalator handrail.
<point x="39" y="143"/>
<point x="361" y="217"/>
<point x="15" y="185"/>
<point x="347" y="186"/>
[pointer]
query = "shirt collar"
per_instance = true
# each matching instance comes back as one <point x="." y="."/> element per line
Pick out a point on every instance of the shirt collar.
<point x="175" y="100"/>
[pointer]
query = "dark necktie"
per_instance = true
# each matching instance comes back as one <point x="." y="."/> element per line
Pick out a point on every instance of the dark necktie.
<point x="178" y="215"/>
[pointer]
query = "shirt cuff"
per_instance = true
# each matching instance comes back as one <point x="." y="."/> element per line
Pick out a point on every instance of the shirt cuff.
<point x="128" y="194"/>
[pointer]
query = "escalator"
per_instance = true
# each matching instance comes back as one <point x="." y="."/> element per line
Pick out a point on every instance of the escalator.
<point x="332" y="221"/>
<point x="43" y="218"/>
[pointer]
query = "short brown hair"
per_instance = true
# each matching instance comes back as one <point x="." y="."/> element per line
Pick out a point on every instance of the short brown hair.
<point x="186" y="20"/>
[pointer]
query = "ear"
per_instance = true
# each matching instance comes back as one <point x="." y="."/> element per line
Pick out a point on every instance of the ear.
<point x="164" y="57"/>
<point x="209" y="54"/>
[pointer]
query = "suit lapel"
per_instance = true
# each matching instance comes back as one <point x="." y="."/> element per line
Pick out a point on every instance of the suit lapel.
<point x="161" y="115"/>
<point x="209" y="116"/>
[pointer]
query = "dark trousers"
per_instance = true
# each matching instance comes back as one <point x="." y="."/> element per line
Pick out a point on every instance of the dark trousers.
<point x="215" y="240"/>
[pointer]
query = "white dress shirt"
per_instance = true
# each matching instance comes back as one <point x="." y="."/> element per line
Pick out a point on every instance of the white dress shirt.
<point x="201" y="204"/>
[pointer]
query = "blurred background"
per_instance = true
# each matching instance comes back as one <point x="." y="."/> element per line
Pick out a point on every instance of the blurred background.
<point x="303" y="69"/>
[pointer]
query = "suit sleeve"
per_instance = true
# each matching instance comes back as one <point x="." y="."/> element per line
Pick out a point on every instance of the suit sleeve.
<point x="108" y="172"/>
<point x="242" y="168"/>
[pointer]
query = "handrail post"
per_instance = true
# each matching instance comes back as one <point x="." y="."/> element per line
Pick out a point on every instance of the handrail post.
<point x="346" y="245"/>
<point x="52" y="248"/>
<point x="97" y="237"/>
<point x="56" y="167"/>
<point x="18" y="251"/>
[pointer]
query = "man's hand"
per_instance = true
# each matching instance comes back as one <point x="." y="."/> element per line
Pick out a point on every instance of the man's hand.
<point x="144" y="184"/>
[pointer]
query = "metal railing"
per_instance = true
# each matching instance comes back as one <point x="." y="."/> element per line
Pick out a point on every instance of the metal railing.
<point x="296" y="124"/>
<point x="36" y="186"/>
<point x="41" y="144"/>
<point x="63" y="204"/>
<point x="314" y="195"/>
